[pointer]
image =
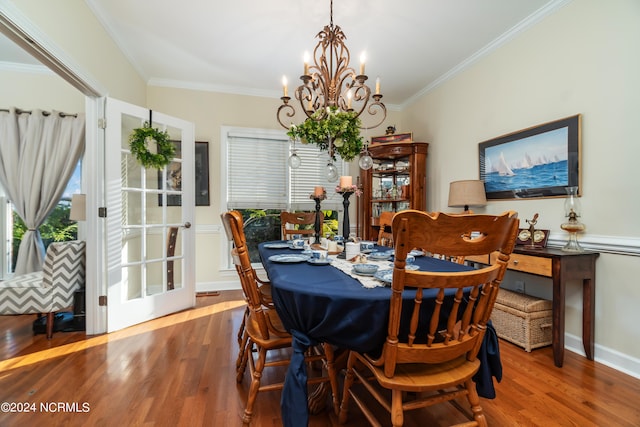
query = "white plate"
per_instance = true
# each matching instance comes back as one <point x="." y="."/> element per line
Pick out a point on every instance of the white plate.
<point x="362" y="274"/>
<point x="276" y="245"/>
<point x="288" y="258"/>
<point x="380" y="255"/>
<point x="409" y="267"/>
<point x="384" y="276"/>
<point x="315" y="261"/>
<point x="416" y="252"/>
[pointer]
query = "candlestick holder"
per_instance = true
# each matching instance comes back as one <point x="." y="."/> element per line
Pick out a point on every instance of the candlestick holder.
<point x="345" y="221"/>
<point x="317" y="227"/>
<point x="318" y="197"/>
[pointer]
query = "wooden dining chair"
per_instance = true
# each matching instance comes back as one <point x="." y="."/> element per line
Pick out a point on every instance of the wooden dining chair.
<point x="172" y="239"/>
<point x="385" y="236"/>
<point x="264" y="293"/>
<point x="299" y="223"/>
<point x="434" y="362"/>
<point x="265" y="331"/>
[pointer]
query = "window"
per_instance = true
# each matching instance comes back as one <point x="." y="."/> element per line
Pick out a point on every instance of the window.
<point x="260" y="184"/>
<point x="57" y="226"/>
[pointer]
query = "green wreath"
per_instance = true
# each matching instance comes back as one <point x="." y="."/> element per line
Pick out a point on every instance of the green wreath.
<point x="142" y="137"/>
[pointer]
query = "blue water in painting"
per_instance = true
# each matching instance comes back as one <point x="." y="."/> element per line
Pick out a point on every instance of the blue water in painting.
<point x="539" y="176"/>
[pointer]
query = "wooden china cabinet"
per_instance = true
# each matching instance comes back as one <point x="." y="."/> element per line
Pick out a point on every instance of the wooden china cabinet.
<point x="397" y="181"/>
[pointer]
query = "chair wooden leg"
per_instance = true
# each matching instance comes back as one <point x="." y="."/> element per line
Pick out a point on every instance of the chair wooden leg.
<point x="333" y="376"/>
<point x="397" y="415"/>
<point x="255" y="384"/>
<point x="242" y="325"/>
<point x="50" y="318"/>
<point x="242" y="341"/>
<point x="348" y="382"/>
<point x="243" y="358"/>
<point x="474" y="401"/>
<point x="242" y="344"/>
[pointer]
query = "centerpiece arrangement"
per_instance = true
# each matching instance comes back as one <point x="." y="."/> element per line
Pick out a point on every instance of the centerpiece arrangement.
<point x="349" y="189"/>
<point x="333" y="130"/>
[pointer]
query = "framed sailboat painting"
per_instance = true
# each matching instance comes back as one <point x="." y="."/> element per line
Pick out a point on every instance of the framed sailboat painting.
<point x="541" y="161"/>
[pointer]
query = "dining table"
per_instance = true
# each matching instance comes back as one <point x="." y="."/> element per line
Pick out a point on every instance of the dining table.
<point x="326" y="302"/>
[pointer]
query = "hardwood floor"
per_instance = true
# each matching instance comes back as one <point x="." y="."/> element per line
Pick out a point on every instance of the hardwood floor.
<point x="180" y="371"/>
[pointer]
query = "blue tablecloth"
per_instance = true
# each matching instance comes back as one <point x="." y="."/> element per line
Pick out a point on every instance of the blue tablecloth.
<point x="323" y="304"/>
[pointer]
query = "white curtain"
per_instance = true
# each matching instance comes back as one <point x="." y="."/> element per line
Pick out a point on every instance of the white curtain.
<point x="38" y="154"/>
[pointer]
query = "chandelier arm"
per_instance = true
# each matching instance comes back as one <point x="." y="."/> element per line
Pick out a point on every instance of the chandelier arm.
<point x="304" y="95"/>
<point x="319" y="87"/>
<point x="286" y="109"/>
<point x="372" y="111"/>
<point x="362" y="94"/>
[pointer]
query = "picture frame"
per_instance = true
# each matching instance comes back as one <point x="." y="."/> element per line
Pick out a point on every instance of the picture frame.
<point x="396" y="137"/>
<point x="202" y="173"/>
<point x="540" y="161"/>
<point x="174" y="176"/>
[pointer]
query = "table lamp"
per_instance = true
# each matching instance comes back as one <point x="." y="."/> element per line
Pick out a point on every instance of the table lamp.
<point x="467" y="193"/>
<point x="78" y="207"/>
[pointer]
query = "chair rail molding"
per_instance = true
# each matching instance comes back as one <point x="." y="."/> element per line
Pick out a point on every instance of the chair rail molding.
<point x="599" y="243"/>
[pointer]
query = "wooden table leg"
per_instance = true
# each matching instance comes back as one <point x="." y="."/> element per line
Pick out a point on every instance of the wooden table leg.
<point x="558" y="317"/>
<point x="588" y="316"/>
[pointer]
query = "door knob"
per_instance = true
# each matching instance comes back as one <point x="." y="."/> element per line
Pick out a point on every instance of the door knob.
<point x="187" y="224"/>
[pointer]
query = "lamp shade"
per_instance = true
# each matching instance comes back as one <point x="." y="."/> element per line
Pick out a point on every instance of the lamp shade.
<point x="467" y="193"/>
<point x="78" y="207"/>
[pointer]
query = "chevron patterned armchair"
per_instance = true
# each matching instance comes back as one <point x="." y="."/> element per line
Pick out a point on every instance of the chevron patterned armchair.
<point x="49" y="290"/>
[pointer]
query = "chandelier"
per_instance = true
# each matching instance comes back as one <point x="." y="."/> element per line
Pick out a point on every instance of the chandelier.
<point x="330" y="84"/>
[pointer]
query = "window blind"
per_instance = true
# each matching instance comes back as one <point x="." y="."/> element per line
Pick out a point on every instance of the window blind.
<point x="257" y="174"/>
<point x="312" y="173"/>
<point x="260" y="178"/>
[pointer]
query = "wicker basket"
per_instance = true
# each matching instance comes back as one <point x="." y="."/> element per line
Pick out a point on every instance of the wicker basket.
<point x="522" y="319"/>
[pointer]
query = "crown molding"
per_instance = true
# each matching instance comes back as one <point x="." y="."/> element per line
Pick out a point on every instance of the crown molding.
<point x="509" y="35"/>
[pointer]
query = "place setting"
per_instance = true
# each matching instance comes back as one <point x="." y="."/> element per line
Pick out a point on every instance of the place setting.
<point x="289" y="258"/>
<point x="319" y="257"/>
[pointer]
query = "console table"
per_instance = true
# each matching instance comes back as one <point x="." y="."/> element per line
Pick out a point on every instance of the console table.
<point x="561" y="267"/>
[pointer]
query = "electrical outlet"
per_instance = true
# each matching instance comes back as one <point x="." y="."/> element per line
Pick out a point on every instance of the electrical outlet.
<point x="519" y="286"/>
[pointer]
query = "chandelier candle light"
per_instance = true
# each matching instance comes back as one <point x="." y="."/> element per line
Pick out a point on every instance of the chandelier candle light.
<point x="332" y="97"/>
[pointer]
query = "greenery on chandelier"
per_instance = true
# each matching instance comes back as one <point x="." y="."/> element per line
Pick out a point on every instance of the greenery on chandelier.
<point x="341" y="127"/>
<point x="140" y="140"/>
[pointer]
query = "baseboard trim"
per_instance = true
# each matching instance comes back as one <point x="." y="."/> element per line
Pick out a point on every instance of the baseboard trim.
<point x="607" y="356"/>
<point x="206" y="287"/>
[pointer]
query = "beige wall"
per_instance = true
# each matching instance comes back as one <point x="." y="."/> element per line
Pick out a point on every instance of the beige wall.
<point x="583" y="59"/>
<point x="71" y="26"/>
<point x="44" y="91"/>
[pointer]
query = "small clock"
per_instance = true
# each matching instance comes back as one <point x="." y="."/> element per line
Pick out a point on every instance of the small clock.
<point x="540" y="237"/>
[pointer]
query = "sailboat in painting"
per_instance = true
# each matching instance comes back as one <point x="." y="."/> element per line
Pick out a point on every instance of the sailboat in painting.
<point x="503" y="167"/>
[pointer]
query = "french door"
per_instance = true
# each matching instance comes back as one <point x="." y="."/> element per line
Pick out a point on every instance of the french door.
<point x="149" y="243"/>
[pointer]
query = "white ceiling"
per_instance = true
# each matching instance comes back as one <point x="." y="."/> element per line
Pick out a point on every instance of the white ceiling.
<point x="246" y="46"/>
